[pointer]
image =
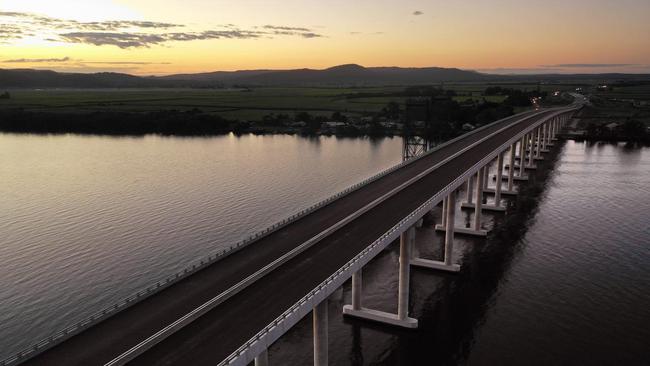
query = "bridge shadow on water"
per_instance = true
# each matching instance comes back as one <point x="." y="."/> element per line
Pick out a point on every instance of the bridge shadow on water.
<point x="450" y="307"/>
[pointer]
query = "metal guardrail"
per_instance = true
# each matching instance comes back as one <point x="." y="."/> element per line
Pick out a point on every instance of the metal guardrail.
<point x="269" y="334"/>
<point x="107" y="312"/>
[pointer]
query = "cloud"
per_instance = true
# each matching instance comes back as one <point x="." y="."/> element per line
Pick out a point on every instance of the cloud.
<point x="417" y="12"/>
<point x="37" y="60"/>
<point x="57" y="23"/>
<point x="589" y="65"/>
<point x="113" y="25"/>
<point x="121" y="40"/>
<point x="284" y="28"/>
<point x="125" y="63"/>
<point x="517" y="71"/>
<point x="131" y="33"/>
<point x="137" y="40"/>
<point x="8" y="31"/>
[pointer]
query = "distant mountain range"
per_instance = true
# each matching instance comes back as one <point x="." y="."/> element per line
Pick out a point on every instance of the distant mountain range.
<point x="343" y="75"/>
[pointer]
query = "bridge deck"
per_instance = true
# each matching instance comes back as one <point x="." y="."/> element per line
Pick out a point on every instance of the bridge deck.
<point x="221" y="331"/>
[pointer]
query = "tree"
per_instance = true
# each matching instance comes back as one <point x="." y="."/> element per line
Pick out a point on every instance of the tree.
<point x="633" y="129"/>
<point x="339" y="117"/>
<point x="391" y="110"/>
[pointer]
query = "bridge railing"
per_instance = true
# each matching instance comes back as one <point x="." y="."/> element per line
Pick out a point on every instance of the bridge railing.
<point x="269" y="334"/>
<point x="135" y="298"/>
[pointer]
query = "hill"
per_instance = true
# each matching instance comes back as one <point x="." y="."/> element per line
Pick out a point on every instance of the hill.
<point x="343" y="75"/>
<point x="334" y="76"/>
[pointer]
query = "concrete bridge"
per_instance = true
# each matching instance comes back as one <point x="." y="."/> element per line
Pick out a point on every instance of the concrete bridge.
<point x="229" y="308"/>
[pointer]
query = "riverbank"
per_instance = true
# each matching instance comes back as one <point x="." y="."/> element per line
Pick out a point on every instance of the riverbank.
<point x="189" y="123"/>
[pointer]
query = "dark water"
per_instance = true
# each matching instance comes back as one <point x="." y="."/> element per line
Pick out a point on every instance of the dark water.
<point x="565" y="278"/>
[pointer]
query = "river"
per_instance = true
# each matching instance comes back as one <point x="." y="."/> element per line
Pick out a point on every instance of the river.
<point x="88" y="220"/>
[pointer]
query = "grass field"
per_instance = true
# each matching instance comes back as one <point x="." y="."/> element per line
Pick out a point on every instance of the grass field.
<point x="618" y="105"/>
<point x="228" y="102"/>
<point x="239" y="104"/>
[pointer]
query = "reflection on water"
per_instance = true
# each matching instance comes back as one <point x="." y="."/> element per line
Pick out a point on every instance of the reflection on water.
<point x="565" y="279"/>
<point x="87" y="220"/>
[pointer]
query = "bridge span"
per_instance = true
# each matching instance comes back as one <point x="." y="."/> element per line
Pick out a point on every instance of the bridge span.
<point x="230" y="308"/>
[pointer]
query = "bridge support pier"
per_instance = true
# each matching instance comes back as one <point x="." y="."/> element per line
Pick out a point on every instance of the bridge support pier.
<point x="485" y="176"/>
<point x="444" y="211"/>
<point x="522" y="155"/>
<point x="549" y="138"/>
<point x="510" y="191"/>
<point x="357" y="289"/>
<point x="538" y="144"/>
<point x="545" y="131"/>
<point x="321" y="341"/>
<point x="448" y="263"/>
<point x="470" y="189"/>
<point x="531" y="152"/>
<point x="511" y="172"/>
<point x="478" y="207"/>
<point x="262" y="359"/>
<point x="497" y="190"/>
<point x="407" y="240"/>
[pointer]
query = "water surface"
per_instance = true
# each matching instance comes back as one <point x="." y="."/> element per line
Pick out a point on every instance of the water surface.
<point x="86" y="220"/>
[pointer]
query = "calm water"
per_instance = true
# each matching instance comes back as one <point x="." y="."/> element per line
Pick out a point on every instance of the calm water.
<point x="85" y="221"/>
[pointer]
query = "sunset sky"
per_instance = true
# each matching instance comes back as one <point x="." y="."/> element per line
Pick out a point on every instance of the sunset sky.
<point x="173" y="36"/>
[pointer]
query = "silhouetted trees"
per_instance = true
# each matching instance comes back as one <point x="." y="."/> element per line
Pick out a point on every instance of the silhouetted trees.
<point x="172" y="122"/>
<point x="515" y="97"/>
<point x="630" y="130"/>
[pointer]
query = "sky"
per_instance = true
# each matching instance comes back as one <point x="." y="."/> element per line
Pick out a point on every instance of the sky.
<point x="156" y="37"/>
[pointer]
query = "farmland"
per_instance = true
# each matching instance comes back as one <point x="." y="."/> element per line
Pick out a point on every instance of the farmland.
<point x="238" y="104"/>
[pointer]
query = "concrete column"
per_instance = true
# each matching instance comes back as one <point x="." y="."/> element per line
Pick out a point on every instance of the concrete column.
<point x="522" y="153"/>
<point x="320" y="334"/>
<point x="262" y="359"/>
<point x="470" y="189"/>
<point x="449" y="230"/>
<point x="497" y="189"/>
<point x="531" y="154"/>
<point x="538" y="142"/>
<point x="511" y="171"/>
<point x="486" y="176"/>
<point x="406" y="244"/>
<point x="553" y="129"/>
<point x="479" y="200"/>
<point x="444" y="211"/>
<point x="357" y="289"/>
<point x="544" y="134"/>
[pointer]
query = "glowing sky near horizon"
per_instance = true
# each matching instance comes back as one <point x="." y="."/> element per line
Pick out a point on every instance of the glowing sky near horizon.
<point x="174" y="36"/>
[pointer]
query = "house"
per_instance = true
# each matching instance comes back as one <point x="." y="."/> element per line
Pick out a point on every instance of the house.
<point x="468" y="127"/>
<point x="333" y="125"/>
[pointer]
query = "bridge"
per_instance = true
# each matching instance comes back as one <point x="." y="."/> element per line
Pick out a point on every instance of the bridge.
<point x="229" y="308"/>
